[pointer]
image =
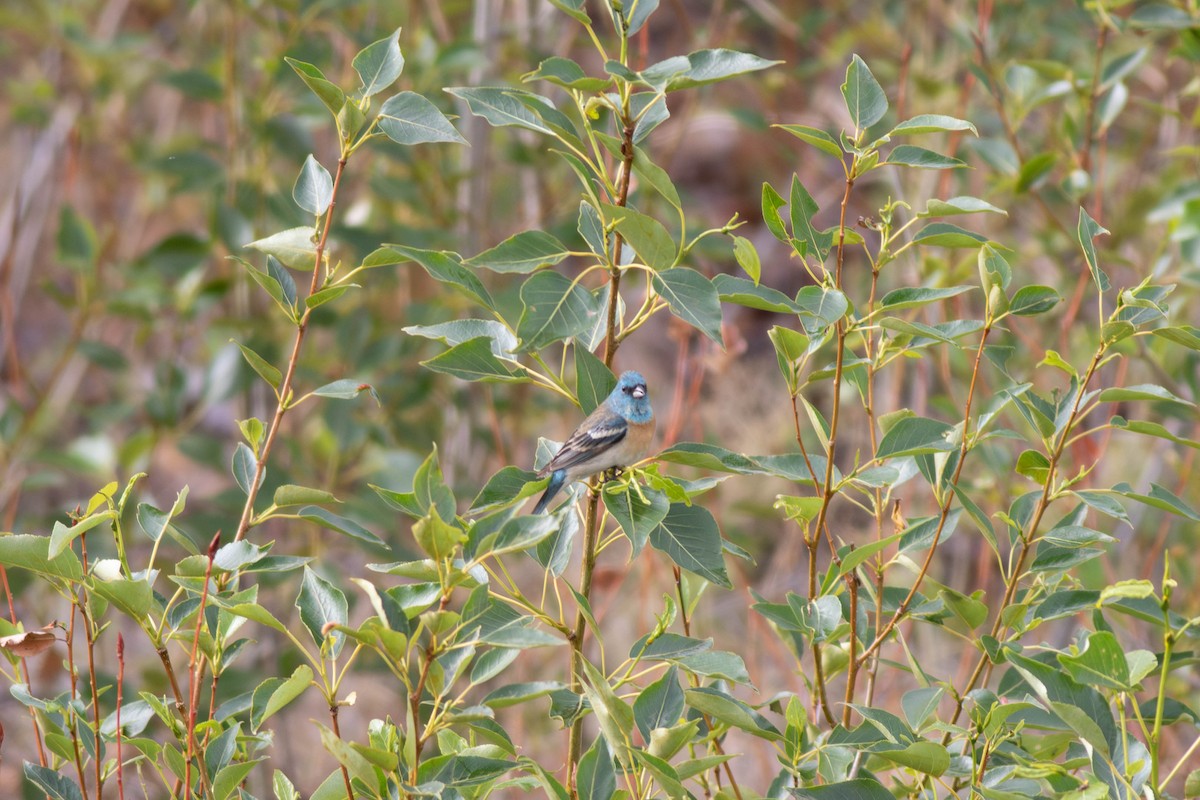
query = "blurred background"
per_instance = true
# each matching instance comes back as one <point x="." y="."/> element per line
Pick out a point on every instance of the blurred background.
<point x="147" y="140"/>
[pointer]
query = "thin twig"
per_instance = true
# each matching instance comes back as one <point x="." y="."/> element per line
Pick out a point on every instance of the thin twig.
<point x="194" y="663"/>
<point x="120" y="681"/>
<point x="89" y="636"/>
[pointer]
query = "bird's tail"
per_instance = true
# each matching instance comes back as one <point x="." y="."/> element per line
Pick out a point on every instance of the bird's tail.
<point x="557" y="479"/>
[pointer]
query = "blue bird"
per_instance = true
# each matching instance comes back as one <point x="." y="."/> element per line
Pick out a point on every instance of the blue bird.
<point x="616" y="434"/>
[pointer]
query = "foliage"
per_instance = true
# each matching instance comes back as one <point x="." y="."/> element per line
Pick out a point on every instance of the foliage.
<point x="907" y="347"/>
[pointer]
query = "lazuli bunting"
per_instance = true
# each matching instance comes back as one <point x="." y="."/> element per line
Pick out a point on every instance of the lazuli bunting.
<point x="616" y="434"/>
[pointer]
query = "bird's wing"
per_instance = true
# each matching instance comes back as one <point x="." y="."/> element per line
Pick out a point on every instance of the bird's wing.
<point x="591" y="439"/>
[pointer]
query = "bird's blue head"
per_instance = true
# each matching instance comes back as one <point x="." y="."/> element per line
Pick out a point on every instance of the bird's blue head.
<point x="631" y="399"/>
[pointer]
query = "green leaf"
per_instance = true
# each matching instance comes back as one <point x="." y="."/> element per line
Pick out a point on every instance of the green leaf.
<point x="709" y="66"/>
<point x="62" y="535"/>
<point x="320" y="604"/>
<point x="1160" y="498"/>
<point x="457" y="331"/>
<point x="327" y="92"/>
<point x="359" y="768"/>
<point x="294" y="247"/>
<point x="409" y="118"/>
<point x="709" y="456"/>
<point x="1032" y="300"/>
<point x="716" y="665"/>
<point x="943" y="234"/>
<point x="660" y="705"/>
<point x="345" y="389"/>
<point x="500" y="107"/>
<point x="907" y="155"/>
<point x="327" y="295"/>
<point x="135" y="597"/>
<point x="915" y="435"/>
<point x="286" y="692"/>
<point x="1033" y="465"/>
<point x="566" y="73"/>
<point x="430" y="489"/>
<point x="915" y="296"/>
<point x="591" y="228"/>
<point x="1144" y="391"/>
<point x="313" y="190"/>
<point x="747" y="257"/>
<point x="864" y="97"/>
<point x="53" y="784"/>
<point x="256" y="613"/>
<point x="524" y="252"/>
<point x="919" y="704"/>
<point x="860" y="789"/>
<point x="576" y="9"/>
<point x="509" y="484"/>
<point x="772" y="201"/>
<point x="690" y="536"/>
<point x="731" y="711"/>
<point x="801" y="209"/>
<point x="518" y="693"/>
<point x="245" y="464"/>
<point x="1101" y="663"/>
<point x="474" y="360"/>
<point x="815" y="137"/>
<point x="613" y="715"/>
<point x="1185" y="335"/>
<point x="732" y="289"/>
<point x="379" y="64"/>
<point x="593" y="380"/>
<point x="1152" y="429"/>
<point x="859" y="555"/>
<point x="820" y="307"/>
<point x="638" y="13"/>
<point x="1087" y="230"/>
<point x="637" y="517"/>
<point x="994" y="269"/>
<point x="555" y="309"/>
<point x="1161" y="17"/>
<point x="1051" y="558"/>
<point x="1104" y="503"/>
<point x="1034" y="171"/>
<point x="1077" y="536"/>
<point x="339" y="524"/>
<point x="920" y="532"/>
<point x="270" y="281"/>
<point x="77" y="242"/>
<point x="693" y="298"/>
<point x="931" y="123"/>
<point x="596" y="779"/>
<point x="287" y="286"/>
<point x="518" y="534"/>
<point x="265" y="370"/>
<point x="438" y="538"/>
<point x="960" y="205"/>
<point x="665" y="646"/>
<point x="444" y="266"/>
<point x="645" y="235"/>
<point x="930" y="758"/>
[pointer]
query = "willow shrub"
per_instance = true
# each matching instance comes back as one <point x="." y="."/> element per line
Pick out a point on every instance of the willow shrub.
<point x="1027" y="719"/>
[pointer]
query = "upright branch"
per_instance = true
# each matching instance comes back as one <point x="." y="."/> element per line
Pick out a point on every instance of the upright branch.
<point x="1028" y="536"/>
<point x="285" y="387"/>
<point x="592" y="515"/>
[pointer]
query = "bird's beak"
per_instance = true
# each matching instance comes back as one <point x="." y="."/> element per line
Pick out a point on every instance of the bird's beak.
<point x="639" y="392"/>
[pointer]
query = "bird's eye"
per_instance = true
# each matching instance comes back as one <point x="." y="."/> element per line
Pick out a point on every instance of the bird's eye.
<point x="627" y="389"/>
